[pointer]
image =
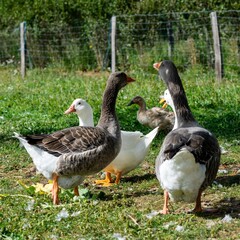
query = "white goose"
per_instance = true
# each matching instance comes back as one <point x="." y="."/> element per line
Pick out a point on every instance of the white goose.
<point x="66" y="156"/>
<point x="190" y="155"/>
<point x="134" y="149"/>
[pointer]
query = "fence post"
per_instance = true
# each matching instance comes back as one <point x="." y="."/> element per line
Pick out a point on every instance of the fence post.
<point x="170" y="40"/>
<point x="113" y="43"/>
<point x="217" y="47"/>
<point x="23" y="48"/>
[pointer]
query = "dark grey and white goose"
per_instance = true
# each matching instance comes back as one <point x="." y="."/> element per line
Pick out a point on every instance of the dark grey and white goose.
<point x="153" y="117"/>
<point x="66" y="156"/>
<point x="190" y="155"/>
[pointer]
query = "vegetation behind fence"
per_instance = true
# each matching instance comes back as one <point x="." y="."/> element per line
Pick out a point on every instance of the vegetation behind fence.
<point x="186" y="38"/>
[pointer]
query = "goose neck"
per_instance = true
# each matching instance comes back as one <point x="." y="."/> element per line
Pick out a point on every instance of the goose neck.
<point x="182" y="111"/>
<point x="143" y="106"/>
<point x="108" y="118"/>
<point x="86" y="120"/>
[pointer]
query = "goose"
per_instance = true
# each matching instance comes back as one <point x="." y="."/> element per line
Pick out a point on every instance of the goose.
<point x="134" y="149"/>
<point x="189" y="157"/>
<point x="68" y="155"/>
<point x="153" y="117"/>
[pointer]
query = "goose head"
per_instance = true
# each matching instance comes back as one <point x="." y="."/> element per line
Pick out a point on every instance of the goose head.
<point x="108" y="118"/>
<point x="167" y="99"/>
<point x="83" y="110"/>
<point x="119" y="80"/>
<point x="79" y="106"/>
<point x="139" y="101"/>
<point x="167" y="71"/>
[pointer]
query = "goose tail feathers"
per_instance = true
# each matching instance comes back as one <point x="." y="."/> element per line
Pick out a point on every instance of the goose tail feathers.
<point x="151" y="135"/>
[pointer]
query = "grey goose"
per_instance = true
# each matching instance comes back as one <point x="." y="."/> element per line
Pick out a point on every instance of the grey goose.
<point x="68" y="155"/>
<point x="189" y="157"/>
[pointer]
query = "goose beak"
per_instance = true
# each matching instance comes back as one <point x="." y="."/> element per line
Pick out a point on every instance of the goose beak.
<point x="70" y="110"/>
<point x="157" y="65"/>
<point x="163" y="101"/>
<point x="129" y="79"/>
<point x="130" y="103"/>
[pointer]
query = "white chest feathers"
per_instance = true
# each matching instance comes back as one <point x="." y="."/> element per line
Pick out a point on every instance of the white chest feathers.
<point x="182" y="177"/>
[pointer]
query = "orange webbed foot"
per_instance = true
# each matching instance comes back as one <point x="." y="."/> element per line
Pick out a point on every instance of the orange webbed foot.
<point x="106" y="182"/>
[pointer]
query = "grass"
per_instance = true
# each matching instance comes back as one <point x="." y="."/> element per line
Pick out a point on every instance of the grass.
<point x="36" y="105"/>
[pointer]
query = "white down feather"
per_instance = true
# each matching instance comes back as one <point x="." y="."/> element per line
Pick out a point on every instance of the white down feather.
<point x="182" y="177"/>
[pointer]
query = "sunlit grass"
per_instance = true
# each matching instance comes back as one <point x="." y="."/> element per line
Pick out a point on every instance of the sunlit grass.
<point x="36" y="105"/>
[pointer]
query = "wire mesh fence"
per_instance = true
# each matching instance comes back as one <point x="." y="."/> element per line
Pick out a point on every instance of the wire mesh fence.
<point x="72" y="47"/>
<point x="10" y="47"/>
<point x="185" y="38"/>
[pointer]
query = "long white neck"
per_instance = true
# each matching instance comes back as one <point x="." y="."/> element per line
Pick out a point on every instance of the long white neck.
<point x="86" y="119"/>
<point x="169" y="101"/>
<point x="176" y="125"/>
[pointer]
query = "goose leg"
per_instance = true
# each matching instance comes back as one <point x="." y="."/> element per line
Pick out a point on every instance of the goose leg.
<point x="55" y="189"/>
<point x="106" y="181"/>
<point x="76" y="192"/>
<point x="165" y="206"/>
<point x="119" y="175"/>
<point x="198" y="206"/>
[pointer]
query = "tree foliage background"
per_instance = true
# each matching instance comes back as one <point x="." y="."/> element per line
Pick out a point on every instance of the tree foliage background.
<point x="43" y="13"/>
<point x="66" y="31"/>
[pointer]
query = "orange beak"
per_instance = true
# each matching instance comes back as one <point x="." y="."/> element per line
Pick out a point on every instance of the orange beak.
<point x="129" y="79"/>
<point x="70" y="110"/>
<point x="157" y="65"/>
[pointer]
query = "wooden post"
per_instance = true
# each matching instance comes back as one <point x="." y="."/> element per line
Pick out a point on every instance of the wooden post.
<point x="22" y="48"/>
<point x="217" y="47"/>
<point x="113" y="43"/>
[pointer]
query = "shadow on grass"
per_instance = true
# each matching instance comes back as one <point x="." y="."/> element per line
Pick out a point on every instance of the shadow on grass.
<point x="220" y="208"/>
<point x="228" y="205"/>
<point x="116" y="192"/>
<point x="137" y="178"/>
<point x="228" y="181"/>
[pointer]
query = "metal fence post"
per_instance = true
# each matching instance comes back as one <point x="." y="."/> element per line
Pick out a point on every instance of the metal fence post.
<point x="113" y="43"/>
<point x="217" y="47"/>
<point x="23" y="48"/>
<point x="170" y="39"/>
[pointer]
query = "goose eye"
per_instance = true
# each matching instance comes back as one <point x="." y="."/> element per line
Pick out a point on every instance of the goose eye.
<point x="79" y="103"/>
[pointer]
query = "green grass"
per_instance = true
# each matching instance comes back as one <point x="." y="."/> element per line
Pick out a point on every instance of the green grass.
<point x="36" y="105"/>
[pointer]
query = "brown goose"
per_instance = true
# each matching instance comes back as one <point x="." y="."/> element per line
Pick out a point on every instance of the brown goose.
<point x="190" y="155"/>
<point x="154" y="117"/>
<point x="66" y="156"/>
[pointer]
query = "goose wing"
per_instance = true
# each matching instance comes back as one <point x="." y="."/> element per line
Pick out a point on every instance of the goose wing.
<point x="74" y="139"/>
